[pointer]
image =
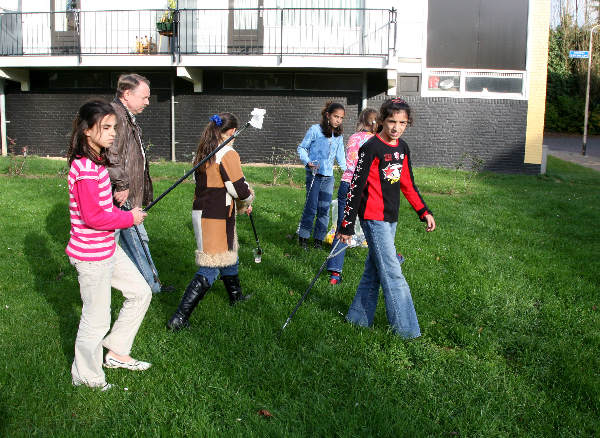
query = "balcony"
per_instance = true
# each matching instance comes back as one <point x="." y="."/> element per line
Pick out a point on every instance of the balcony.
<point x="281" y="32"/>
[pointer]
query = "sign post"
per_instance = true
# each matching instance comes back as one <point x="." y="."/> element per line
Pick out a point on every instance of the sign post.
<point x="587" y="92"/>
<point x="579" y="54"/>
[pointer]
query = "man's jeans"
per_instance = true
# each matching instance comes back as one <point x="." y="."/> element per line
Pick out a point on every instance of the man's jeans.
<point x="335" y="264"/>
<point x="382" y="267"/>
<point x="318" y="201"/>
<point x="130" y="242"/>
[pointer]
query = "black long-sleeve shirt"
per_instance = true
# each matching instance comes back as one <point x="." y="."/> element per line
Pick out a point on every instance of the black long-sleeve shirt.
<point x="374" y="192"/>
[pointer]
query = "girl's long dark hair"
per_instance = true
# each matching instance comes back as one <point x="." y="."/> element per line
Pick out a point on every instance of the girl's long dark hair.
<point x="211" y="137"/>
<point x="329" y="108"/>
<point x="89" y="115"/>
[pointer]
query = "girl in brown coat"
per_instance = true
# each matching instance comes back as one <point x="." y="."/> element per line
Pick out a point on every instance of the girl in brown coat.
<point x="221" y="191"/>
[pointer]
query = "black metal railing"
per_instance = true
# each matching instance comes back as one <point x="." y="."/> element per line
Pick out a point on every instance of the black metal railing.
<point x="257" y="31"/>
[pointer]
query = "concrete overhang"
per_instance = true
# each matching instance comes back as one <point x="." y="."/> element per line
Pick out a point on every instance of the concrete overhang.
<point x="193" y="75"/>
<point x="16" y="74"/>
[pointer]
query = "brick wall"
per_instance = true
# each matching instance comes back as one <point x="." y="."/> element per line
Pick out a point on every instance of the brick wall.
<point x="287" y="119"/>
<point x="445" y="131"/>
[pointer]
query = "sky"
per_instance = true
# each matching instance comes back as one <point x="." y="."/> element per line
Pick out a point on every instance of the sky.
<point x="555" y="11"/>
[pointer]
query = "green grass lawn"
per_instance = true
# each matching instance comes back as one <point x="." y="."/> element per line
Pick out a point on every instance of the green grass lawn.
<point x="506" y="291"/>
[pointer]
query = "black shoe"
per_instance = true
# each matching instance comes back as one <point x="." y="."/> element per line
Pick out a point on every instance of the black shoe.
<point x="234" y="289"/>
<point x="303" y="242"/>
<point x="192" y="296"/>
<point x="166" y="289"/>
<point x="317" y="244"/>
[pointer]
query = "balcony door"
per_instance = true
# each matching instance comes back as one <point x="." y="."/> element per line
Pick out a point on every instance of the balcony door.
<point x="64" y="27"/>
<point x="11" y="34"/>
<point x="246" y="29"/>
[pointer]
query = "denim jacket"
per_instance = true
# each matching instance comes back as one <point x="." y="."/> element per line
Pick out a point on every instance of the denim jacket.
<point x="324" y="150"/>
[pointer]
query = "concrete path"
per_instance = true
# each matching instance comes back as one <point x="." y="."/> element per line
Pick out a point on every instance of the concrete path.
<point x="568" y="147"/>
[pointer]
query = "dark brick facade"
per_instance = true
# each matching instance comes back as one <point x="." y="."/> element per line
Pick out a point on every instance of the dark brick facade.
<point x="445" y="132"/>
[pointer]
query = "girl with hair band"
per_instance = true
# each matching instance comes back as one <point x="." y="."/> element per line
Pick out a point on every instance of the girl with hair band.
<point x="383" y="170"/>
<point x="100" y="263"/>
<point x="221" y="192"/>
<point x="365" y="127"/>
<point x="322" y="145"/>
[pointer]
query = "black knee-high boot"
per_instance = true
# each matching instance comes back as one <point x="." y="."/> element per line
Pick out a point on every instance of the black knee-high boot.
<point x="234" y="289"/>
<point x="192" y="296"/>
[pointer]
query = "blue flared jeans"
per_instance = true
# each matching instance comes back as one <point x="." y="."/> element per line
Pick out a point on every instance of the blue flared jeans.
<point x="382" y="268"/>
<point x="319" y="189"/>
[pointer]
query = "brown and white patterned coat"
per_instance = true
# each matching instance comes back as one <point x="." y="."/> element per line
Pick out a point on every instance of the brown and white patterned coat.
<point x="221" y="189"/>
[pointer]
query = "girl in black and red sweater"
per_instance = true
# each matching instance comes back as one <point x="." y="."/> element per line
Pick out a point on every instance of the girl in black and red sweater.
<point x="383" y="170"/>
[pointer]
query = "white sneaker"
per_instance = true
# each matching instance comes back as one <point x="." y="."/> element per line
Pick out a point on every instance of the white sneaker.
<point x="133" y="364"/>
<point x="104" y="387"/>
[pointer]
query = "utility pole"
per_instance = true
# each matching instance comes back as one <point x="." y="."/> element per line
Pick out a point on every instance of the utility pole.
<point x="587" y="91"/>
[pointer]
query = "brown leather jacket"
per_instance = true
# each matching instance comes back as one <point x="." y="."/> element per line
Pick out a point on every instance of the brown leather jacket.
<point x="129" y="169"/>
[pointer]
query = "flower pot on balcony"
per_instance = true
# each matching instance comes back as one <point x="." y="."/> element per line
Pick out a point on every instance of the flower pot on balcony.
<point x="165" y="28"/>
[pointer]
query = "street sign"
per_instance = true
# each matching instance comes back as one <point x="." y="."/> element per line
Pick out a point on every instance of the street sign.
<point x="579" y="54"/>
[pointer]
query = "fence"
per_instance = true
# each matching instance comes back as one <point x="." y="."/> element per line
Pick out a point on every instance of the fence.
<point x="257" y="31"/>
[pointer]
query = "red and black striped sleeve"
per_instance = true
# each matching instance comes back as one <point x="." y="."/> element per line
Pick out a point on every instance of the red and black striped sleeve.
<point x="410" y="190"/>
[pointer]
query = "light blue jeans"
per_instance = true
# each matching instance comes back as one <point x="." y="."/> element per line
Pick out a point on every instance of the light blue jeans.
<point x="318" y="201"/>
<point x="335" y="264"/>
<point x="130" y="242"/>
<point x="382" y="268"/>
<point x="211" y="274"/>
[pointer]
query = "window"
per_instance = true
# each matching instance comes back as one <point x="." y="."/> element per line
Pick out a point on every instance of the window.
<point x="474" y="83"/>
<point x="257" y="81"/>
<point x="444" y="81"/>
<point x="241" y="80"/>
<point x="328" y="82"/>
<point x="69" y="79"/>
<point x="409" y="84"/>
<point x="477" y="34"/>
<point x="494" y="82"/>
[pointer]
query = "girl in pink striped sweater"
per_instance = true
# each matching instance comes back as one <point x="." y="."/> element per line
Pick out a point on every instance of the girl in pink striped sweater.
<point x="100" y="263"/>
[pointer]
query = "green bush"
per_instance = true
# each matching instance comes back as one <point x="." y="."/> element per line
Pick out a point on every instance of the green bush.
<point x="565" y="114"/>
<point x="567" y="82"/>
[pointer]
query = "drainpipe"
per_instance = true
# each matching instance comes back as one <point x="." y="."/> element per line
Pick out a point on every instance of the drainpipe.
<point x="361" y="20"/>
<point x="173" y="117"/>
<point x="3" y="119"/>
<point x="365" y="100"/>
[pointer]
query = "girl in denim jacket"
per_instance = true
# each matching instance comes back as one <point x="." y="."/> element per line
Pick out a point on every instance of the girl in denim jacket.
<point x="322" y="145"/>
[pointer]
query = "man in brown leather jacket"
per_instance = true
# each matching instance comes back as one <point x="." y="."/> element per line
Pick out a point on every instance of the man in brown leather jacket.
<point x="129" y="173"/>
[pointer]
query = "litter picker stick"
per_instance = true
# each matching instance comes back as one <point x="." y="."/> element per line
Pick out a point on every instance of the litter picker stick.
<point x="258" y="251"/>
<point x="256" y="121"/>
<point x="254" y="229"/>
<point x="314" y="175"/>
<point x="332" y="254"/>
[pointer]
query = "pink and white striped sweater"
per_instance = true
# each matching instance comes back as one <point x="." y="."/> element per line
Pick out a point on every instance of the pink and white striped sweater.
<point x="93" y="218"/>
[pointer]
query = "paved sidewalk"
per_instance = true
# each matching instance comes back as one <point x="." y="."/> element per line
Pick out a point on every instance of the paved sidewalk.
<point x="568" y="147"/>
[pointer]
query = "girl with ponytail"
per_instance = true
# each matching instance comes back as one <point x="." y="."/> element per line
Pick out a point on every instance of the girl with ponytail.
<point x="221" y="192"/>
